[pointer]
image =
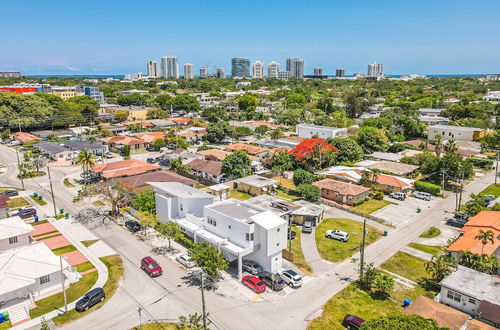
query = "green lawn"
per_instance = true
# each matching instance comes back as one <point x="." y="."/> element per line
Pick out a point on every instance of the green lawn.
<point x="38" y="201"/>
<point x="287" y="183"/>
<point x="356" y="302"/>
<point x="90" y="242"/>
<point x="334" y="250"/>
<point x="371" y="206"/>
<point x="281" y="194"/>
<point x="493" y="189"/>
<point x="47" y="237"/>
<point x="431" y="233"/>
<point x="115" y="271"/>
<point x="84" y="266"/>
<point x="298" y="255"/>
<point x="39" y="222"/>
<point x="49" y="232"/>
<point x="17" y="202"/>
<point x="5" y="325"/>
<point x="233" y="193"/>
<point x="64" y="249"/>
<point x="406" y="265"/>
<point x="432" y="249"/>
<point x="74" y="292"/>
<point x="68" y="184"/>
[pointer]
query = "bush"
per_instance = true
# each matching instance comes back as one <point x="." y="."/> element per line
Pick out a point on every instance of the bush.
<point x="483" y="163"/>
<point x="303" y="177"/>
<point x="427" y="187"/>
<point x="377" y="194"/>
<point x="361" y="201"/>
<point x="309" y="192"/>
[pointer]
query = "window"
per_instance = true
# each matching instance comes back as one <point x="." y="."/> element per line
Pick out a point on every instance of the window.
<point x="182" y="207"/>
<point x="472" y="301"/>
<point x="45" y="279"/>
<point x="249" y="236"/>
<point x="454" y="295"/>
<point x="229" y="226"/>
<point x="278" y="230"/>
<point x="13" y="240"/>
<point x="211" y="221"/>
<point x="277" y="244"/>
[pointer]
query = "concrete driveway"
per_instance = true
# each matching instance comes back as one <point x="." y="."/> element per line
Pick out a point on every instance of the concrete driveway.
<point x="403" y="212"/>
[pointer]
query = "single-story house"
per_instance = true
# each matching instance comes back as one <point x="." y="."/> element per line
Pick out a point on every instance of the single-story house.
<point x="97" y="148"/>
<point x="62" y="133"/>
<point x="54" y="150"/>
<point x="393" y="157"/>
<point x="220" y="191"/>
<point x="341" y="192"/>
<point x="219" y="154"/>
<point x="259" y="152"/>
<point x="255" y="185"/>
<point x="138" y="183"/>
<point x="162" y="123"/>
<point x="150" y="137"/>
<point x="445" y="317"/>
<point x="471" y="292"/>
<point x="180" y="121"/>
<point x="390" y="183"/>
<point x="132" y="142"/>
<point x="389" y="166"/>
<point x="123" y="168"/>
<point x="485" y="220"/>
<point x="207" y="169"/>
<point x="24" y="137"/>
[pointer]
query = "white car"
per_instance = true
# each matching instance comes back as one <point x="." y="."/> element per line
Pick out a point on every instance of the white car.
<point x="339" y="235"/>
<point x="291" y="278"/>
<point x="185" y="260"/>
<point x="422" y="195"/>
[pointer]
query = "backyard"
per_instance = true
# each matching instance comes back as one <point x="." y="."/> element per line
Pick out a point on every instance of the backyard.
<point x="333" y="250"/>
<point x="233" y="193"/>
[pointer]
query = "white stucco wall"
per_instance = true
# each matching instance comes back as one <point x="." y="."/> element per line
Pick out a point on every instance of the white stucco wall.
<point x="22" y="240"/>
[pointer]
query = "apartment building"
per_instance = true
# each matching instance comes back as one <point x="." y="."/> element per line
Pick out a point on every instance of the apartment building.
<point x="324" y="132"/>
<point x="457" y="133"/>
<point x="238" y="229"/>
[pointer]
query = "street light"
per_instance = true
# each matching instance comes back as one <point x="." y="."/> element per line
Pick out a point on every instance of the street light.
<point x="62" y="282"/>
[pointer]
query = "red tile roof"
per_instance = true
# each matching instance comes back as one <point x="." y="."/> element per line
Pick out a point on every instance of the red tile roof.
<point x="389" y="180"/>
<point x="24" y="137"/>
<point x="252" y="150"/>
<point x="151" y="136"/>
<point x="124" y="168"/>
<point x="137" y="183"/>
<point x="123" y="140"/>
<point x="340" y="187"/>
<point x="178" y="120"/>
<point x="212" y="167"/>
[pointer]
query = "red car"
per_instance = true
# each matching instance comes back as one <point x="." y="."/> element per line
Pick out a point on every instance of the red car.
<point x="352" y="322"/>
<point x="254" y="283"/>
<point x="151" y="267"/>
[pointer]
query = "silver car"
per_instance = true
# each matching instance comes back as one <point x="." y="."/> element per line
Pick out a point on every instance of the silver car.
<point x="185" y="260"/>
<point x="252" y="267"/>
<point x="422" y="195"/>
<point x="291" y="278"/>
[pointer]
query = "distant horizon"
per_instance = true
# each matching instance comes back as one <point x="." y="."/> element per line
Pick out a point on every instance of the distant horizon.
<point x="98" y="37"/>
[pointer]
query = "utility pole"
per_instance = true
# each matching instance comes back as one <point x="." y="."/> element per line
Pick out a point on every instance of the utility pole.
<point x="496" y="169"/>
<point x="52" y="191"/>
<point x="442" y="180"/>
<point x="18" y="165"/>
<point x="203" y="301"/>
<point x="63" y="286"/>
<point x="362" y="259"/>
<point x="461" y="188"/>
<point x="290" y="235"/>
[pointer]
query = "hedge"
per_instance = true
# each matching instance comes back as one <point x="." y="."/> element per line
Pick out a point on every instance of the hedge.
<point x="427" y="187"/>
<point x="483" y="163"/>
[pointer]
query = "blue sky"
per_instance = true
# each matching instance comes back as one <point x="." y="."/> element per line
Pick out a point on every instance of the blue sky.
<point x="115" y="37"/>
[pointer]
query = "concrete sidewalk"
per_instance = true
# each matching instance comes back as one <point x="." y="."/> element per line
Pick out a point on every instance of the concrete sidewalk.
<point x="417" y="253"/>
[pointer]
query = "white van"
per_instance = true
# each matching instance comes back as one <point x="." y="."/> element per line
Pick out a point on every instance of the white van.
<point x="339" y="235"/>
<point x="422" y="195"/>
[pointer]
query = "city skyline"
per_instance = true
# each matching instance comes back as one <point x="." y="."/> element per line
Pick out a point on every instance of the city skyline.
<point x="426" y="38"/>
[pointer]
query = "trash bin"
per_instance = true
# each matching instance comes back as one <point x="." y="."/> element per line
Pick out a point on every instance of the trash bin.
<point x="40" y="197"/>
<point x="386" y="232"/>
<point x="36" y="218"/>
<point x="2" y="318"/>
<point x="61" y="211"/>
<point x="35" y="194"/>
<point x="66" y="216"/>
<point x="407" y="302"/>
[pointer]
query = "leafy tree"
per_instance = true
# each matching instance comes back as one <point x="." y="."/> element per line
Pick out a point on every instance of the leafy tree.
<point x="246" y="102"/>
<point x="17" y="110"/>
<point x="481" y="263"/>
<point x="349" y="150"/>
<point x="85" y="105"/>
<point x="309" y="192"/>
<point x="400" y="322"/>
<point x="277" y="133"/>
<point x="439" y="267"/>
<point x="194" y="321"/>
<point x="384" y="283"/>
<point x="355" y="105"/>
<point x="282" y="160"/>
<point x="164" y="101"/>
<point x="145" y="201"/>
<point x="485" y="237"/>
<point x="147" y="220"/>
<point x="177" y="166"/>
<point x="303" y="177"/>
<point x="126" y="151"/>
<point x="326" y="104"/>
<point x="295" y="101"/>
<point x="159" y="143"/>
<point x="217" y="132"/>
<point x="236" y="165"/>
<point x="339" y="119"/>
<point x="261" y="130"/>
<point x="186" y="102"/>
<point x="156" y="114"/>
<point x="113" y="193"/>
<point x="242" y="131"/>
<point x="206" y="256"/>
<point x="214" y="115"/>
<point x="121" y="115"/>
<point x="475" y="204"/>
<point x="372" y="139"/>
<point x="6" y="134"/>
<point x="179" y="142"/>
<point x="168" y="230"/>
<point x="314" y="154"/>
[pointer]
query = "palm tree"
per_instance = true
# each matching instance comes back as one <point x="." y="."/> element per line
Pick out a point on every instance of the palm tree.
<point x="451" y="146"/>
<point x="86" y="159"/>
<point x="438" y="142"/>
<point x="485" y="237"/>
<point x="439" y="267"/>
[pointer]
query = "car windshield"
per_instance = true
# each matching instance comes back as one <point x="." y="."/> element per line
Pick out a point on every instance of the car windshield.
<point x="153" y="265"/>
<point x="260" y="283"/>
<point x="291" y="273"/>
<point x="84" y="299"/>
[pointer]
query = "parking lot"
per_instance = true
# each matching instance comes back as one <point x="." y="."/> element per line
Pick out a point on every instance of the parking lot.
<point x="404" y="211"/>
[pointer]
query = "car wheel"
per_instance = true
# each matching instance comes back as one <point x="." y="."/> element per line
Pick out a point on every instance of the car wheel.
<point x="151" y="274"/>
<point x="142" y="268"/>
<point x="290" y="284"/>
<point x="102" y="299"/>
<point x="86" y="308"/>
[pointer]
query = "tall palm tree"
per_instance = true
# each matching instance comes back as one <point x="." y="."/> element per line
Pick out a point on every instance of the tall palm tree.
<point x="439" y="267"/>
<point x="86" y="159"/>
<point x="438" y="142"/>
<point x="485" y="237"/>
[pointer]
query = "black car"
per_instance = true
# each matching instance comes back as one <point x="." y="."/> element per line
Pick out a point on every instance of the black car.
<point x="272" y="280"/>
<point x="25" y="213"/>
<point x="459" y="223"/>
<point x="151" y="160"/>
<point x="133" y="226"/>
<point x="90" y="299"/>
<point x="10" y="193"/>
<point x="291" y="234"/>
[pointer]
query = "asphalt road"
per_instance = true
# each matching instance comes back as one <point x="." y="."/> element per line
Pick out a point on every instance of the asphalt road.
<point x="168" y="297"/>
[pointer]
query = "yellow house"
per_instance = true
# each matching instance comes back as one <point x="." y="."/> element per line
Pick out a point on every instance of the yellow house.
<point x="134" y="112"/>
<point x="255" y="185"/>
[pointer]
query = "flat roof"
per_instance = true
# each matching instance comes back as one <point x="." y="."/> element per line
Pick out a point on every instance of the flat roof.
<point x="180" y="190"/>
<point x="257" y="181"/>
<point x="474" y="284"/>
<point x="330" y="128"/>
<point x="457" y="128"/>
<point x="272" y="203"/>
<point x="235" y="209"/>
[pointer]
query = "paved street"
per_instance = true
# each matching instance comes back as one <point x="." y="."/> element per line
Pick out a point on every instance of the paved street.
<point x="167" y="297"/>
